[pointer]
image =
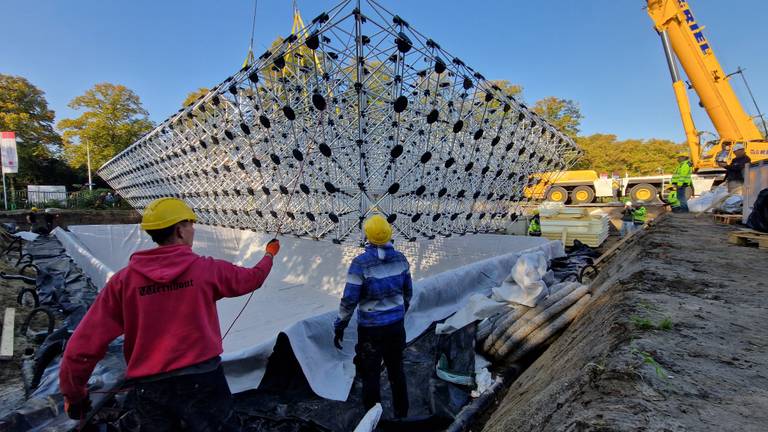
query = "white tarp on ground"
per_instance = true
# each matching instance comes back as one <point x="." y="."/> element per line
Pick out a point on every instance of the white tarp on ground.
<point x="301" y="295"/>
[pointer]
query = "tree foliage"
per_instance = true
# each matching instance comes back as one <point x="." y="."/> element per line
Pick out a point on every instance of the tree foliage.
<point x="194" y="95"/>
<point x="507" y="87"/>
<point x="24" y="110"/>
<point x="113" y="118"/>
<point x="606" y="154"/>
<point x="564" y="114"/>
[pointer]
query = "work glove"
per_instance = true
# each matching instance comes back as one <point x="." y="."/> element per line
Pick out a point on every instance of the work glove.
<point x="77" y="410"/>
<point x="273" y="247"/>
<point x="338" y="337"/>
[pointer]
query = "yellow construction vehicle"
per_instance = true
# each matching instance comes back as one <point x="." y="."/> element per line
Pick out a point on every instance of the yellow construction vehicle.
<point x="684" y="41"/>
<point x="584" y="186"/>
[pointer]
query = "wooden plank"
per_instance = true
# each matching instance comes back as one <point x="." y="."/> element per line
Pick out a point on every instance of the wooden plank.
<point x="6" y="340"/>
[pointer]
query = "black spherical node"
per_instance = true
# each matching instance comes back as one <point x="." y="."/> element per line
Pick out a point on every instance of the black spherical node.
<point x="304" y="188"/>
<point x="449" y="163"/>
<point x="415" y="218"/>
<point x="426" y="157"/>
<point x="396" y="151"/>
<point x="275" y="159"/>
<point x="333" y="217"/>
<point x="289" y="113"/>
<point x="325" y="150"/>
<point x="279" y="61"/>
<point x="439" y="66"/>
<point x="392" y="218"/>
<point x="393" y="188"/>
<point x="400" y="104"/>
<point x="265" y="190"/>
<point x="330" y="187"/>
<point x="458" y="126"/>
<point x="298" y="155"/>
<point x="432" y="116"/>
<point x="318" y="101"/>
<point x="442" y="192"/>
<point x="420" y="190"/>
<point x="283" y="190"/>
<point x="253" y="77"/>
<point x="214" y="140"/>
<point x="313" y="41"/>
<point x="265" y="121"/>
<point x="310" y="216"/>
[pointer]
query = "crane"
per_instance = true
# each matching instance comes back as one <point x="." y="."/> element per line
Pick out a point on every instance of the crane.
<point x="683" y="40"/>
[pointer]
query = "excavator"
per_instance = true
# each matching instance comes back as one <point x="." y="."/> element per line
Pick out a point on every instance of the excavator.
<point x="683" y="40"/>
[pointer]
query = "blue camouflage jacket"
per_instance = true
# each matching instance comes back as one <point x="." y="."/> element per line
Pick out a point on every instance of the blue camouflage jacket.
<point x="379" y="283"/>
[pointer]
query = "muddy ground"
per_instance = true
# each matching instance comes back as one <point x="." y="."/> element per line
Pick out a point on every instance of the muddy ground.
<point x="12" y="388"/>
<point x="675" y="340"/>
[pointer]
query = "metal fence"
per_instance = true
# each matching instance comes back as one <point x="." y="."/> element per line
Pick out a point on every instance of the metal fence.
<point x="96" y="199"/>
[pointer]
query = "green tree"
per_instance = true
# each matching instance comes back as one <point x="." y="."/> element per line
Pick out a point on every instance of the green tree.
<point x="194" y="95"/>
<point x="113" y="119"/>
<point x="606" y="154"/>
<point x="24" y="110"/>
<point x="564" y="114"/>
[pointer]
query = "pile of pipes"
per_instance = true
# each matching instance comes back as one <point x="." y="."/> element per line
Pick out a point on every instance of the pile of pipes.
<point x="512" y="335"/>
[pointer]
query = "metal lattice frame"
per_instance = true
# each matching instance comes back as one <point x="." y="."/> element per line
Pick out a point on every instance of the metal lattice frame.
<point x="356" y="113"/>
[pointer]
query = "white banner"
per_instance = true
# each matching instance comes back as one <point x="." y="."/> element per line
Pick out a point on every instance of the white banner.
<point x="8" y="152"/>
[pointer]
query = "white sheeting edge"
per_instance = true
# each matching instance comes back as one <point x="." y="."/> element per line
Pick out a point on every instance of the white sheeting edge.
<point x="370" y="420"/>
<point x="93" y="267"/>
<point x="330" y="372"/>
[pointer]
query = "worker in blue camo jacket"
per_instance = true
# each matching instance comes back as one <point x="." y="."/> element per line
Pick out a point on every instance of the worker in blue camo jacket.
<point x="379" y="285"/>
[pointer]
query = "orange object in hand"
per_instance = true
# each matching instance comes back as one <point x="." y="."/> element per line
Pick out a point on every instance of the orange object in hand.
<point x="273" y="247"/>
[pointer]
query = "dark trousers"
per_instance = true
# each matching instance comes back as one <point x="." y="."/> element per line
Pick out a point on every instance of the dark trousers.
<point x="202" y="401"/>
<point x="375" y="344"/>
<point x="681" y="190"/>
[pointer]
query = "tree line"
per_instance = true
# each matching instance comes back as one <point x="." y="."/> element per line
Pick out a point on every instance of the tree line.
<point x="111" y="117"/>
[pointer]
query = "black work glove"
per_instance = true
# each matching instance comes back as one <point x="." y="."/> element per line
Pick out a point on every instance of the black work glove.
<point x="338" y="337"/>
<point x="77" y="410"/>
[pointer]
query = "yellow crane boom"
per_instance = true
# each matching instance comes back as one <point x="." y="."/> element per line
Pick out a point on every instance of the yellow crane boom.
<point x="683" y="39"/>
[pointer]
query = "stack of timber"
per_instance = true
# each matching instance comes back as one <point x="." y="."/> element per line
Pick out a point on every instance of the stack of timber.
<point x="568" y="224"/>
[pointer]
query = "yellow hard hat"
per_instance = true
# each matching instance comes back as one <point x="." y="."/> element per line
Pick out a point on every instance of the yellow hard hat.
<point x="34" y="209"/>
<point x="164" y="212"/>
<point x="682" y="154"/>
<point x="377" y="230"/>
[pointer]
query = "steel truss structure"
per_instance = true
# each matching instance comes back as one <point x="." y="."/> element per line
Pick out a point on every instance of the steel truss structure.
<point x="354" y="114"/>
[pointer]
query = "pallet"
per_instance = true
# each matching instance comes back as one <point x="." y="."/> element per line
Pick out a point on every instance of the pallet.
<point x="745" y="237"/>
<point x="727" y="219"/>
<point x="6" y="340"/>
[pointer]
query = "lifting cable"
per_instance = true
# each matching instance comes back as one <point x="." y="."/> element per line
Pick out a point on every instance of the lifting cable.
<point x="299" y="175"/>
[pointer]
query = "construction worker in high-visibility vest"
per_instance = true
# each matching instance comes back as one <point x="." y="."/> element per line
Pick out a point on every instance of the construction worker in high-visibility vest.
<point x="681" y="178"/>
<point x="672" y="199"/>
<point x="164" y="303"/>
<point x="534" y="227"/>
<point x="639" y="216"/>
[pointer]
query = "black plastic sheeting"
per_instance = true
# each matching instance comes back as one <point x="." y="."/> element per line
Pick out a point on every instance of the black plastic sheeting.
<point x="66" y="293"/>
<point x="569" y="267"/>
<point x="758" y="219"/>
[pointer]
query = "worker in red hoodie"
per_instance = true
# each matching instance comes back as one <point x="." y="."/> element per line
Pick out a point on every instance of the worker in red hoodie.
<point x="164" y="302"/>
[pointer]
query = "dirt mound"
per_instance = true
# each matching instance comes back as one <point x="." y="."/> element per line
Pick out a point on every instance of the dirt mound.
<point x="675" y="340"/>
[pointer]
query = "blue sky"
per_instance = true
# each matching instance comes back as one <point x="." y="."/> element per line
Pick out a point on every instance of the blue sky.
<point x="603" y="54"/>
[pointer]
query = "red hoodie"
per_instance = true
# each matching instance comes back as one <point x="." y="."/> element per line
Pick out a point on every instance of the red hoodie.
<point x="164" y="302"/>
